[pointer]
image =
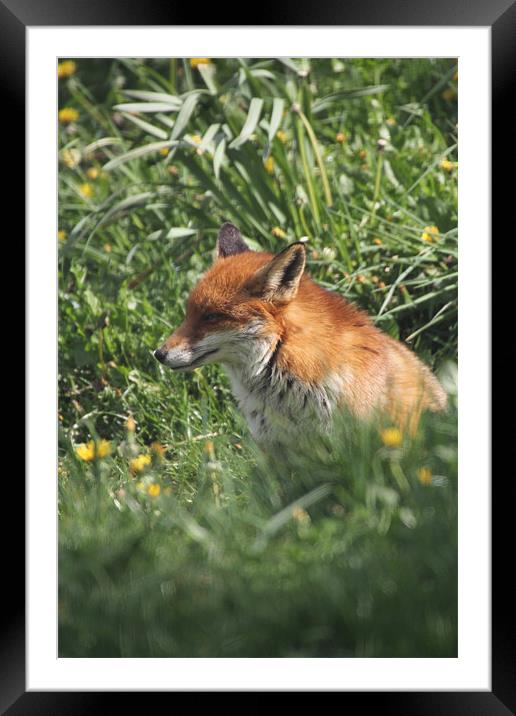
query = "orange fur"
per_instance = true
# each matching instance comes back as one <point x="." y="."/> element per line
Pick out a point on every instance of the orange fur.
<point x="322" y="336"/>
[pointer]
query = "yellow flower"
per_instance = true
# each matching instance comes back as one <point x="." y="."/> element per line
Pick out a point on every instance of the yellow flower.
<point x="153" y="490"/>
<point x="278" y="232"/>
<point x="103" y="448"/>
<point x="424" y="475"/>
<point x="448" y="94"/>
<point x="130" y="424"/>
<point x="86" y="190"/>
<point x="430" y="233"/>
<point x="269" y="165"/>
<point x="209" y="449"/>
<point x="93" y="173"/>
<point x="91" y="450"/>
<point x="377" y="242"/>
<point x="391" y="437"/>
<point x="71" y="157"/>
<point x="196" y="138"/>
<point x="68" y="114"/>
<point x="158" y="449"/>
<point x="340" y="137"/>
<point x="300" y="515"/>
<point x="61" y="235"/>
<point x="164" y="151"/>
<point x="282" y="136"/>
<point x="390" y="121"/>
<point x="138" y="464"/>
<point x="66" y="69"/>
<point x="446" y="165"/>
<point x="196" y="61"/>
<point x="107" y="248"/>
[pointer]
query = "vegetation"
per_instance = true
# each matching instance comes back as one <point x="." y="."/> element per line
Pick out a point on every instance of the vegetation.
<point x="176" y="537"/>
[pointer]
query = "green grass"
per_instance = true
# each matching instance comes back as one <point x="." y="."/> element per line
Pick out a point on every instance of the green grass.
<point x="344" y="549"/>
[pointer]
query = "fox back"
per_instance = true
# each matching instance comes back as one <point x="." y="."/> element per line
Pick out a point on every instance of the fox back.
<point x="295" y="353"/>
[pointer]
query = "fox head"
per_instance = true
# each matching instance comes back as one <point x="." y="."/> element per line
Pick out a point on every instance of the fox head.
<point x="237" y="310"/>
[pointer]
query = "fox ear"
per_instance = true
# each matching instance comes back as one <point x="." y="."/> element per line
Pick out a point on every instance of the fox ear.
<point x="279" y="279"/>
<point x="230" y="241"/>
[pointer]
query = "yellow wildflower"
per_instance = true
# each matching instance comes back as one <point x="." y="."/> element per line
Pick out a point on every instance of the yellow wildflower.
<point x="138" y="464"/>
<point x="196" y="61"/>
<point x="209" y="450"/>
<point x="340" y="137"/>
<point x="107" y="248"/>
<point x="91" y="450"/>
<point x="153" y="490"/>
<point x="390" y="121"/>
<point x="68" y="114"/>
<point x="61" y="235"/>
<point x="447" y="165"/>
<point x="282" y="136"/>
<point x="103" y="448"/>
<point x="158" y="449"/>
<point x="93" y="173"/>
<point x="86" y="190"/>
<point x="391" y="437"/>
<point x="424" y="475"/>
<point x="377" y="242"/>
<point x="269" y="165"/>
<point x="430" y="233"/>
<point x="164" y="151"/>
<point x="130" y="424"/>
<point x="278" y="232"/>
<point x="66" y="69"/>
<point x="71" y="157"/>
<point x="300" y="515"/>
<point x="196" y="138"/>
<point x="448" y="94"/>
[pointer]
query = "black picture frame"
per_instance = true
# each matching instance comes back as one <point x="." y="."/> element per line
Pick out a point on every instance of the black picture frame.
<point x="500" y="16"/>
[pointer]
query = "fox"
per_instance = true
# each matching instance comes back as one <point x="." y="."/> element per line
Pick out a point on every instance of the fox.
<point x="295" y="352"/>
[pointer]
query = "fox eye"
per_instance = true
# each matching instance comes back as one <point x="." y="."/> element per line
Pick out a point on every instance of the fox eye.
<point x="210" y="317"/>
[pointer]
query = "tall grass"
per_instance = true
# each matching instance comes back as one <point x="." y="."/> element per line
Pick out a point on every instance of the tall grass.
<point x="203" y="548"/>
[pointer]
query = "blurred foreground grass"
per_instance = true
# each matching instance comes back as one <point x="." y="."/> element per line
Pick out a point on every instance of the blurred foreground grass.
<point x="175" y="537"/>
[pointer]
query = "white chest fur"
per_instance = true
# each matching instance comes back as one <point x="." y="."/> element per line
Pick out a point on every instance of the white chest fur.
<point x="278" y="408"/>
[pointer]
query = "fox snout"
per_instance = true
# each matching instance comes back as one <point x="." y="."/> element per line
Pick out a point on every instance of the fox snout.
<point x="175" y="353"/>
<point x="180" y="354"/>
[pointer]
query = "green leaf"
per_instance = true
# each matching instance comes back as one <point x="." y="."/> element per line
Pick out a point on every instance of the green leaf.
<point x="325" y="102"/>
<point x="99" y="143"/>
<point x="219" y="155"/>
<point x="184" y="115"/>
<point x="169" y="99"/>
<point x="146" y="126"/>
<point x="208" y="137"/>
<point x="207" y="73"/>
<point x="177" y="232"/>
<point x="146" y="107"/>
<point x="276" y="115"/>
<point x="137" y="153"/>
<point x="253" y="117"/>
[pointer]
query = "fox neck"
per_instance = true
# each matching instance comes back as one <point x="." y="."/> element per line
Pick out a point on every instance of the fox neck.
<point x="275" y="402"/>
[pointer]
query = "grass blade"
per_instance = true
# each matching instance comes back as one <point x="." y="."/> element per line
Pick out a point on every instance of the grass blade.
<point x="253" y="117"/>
